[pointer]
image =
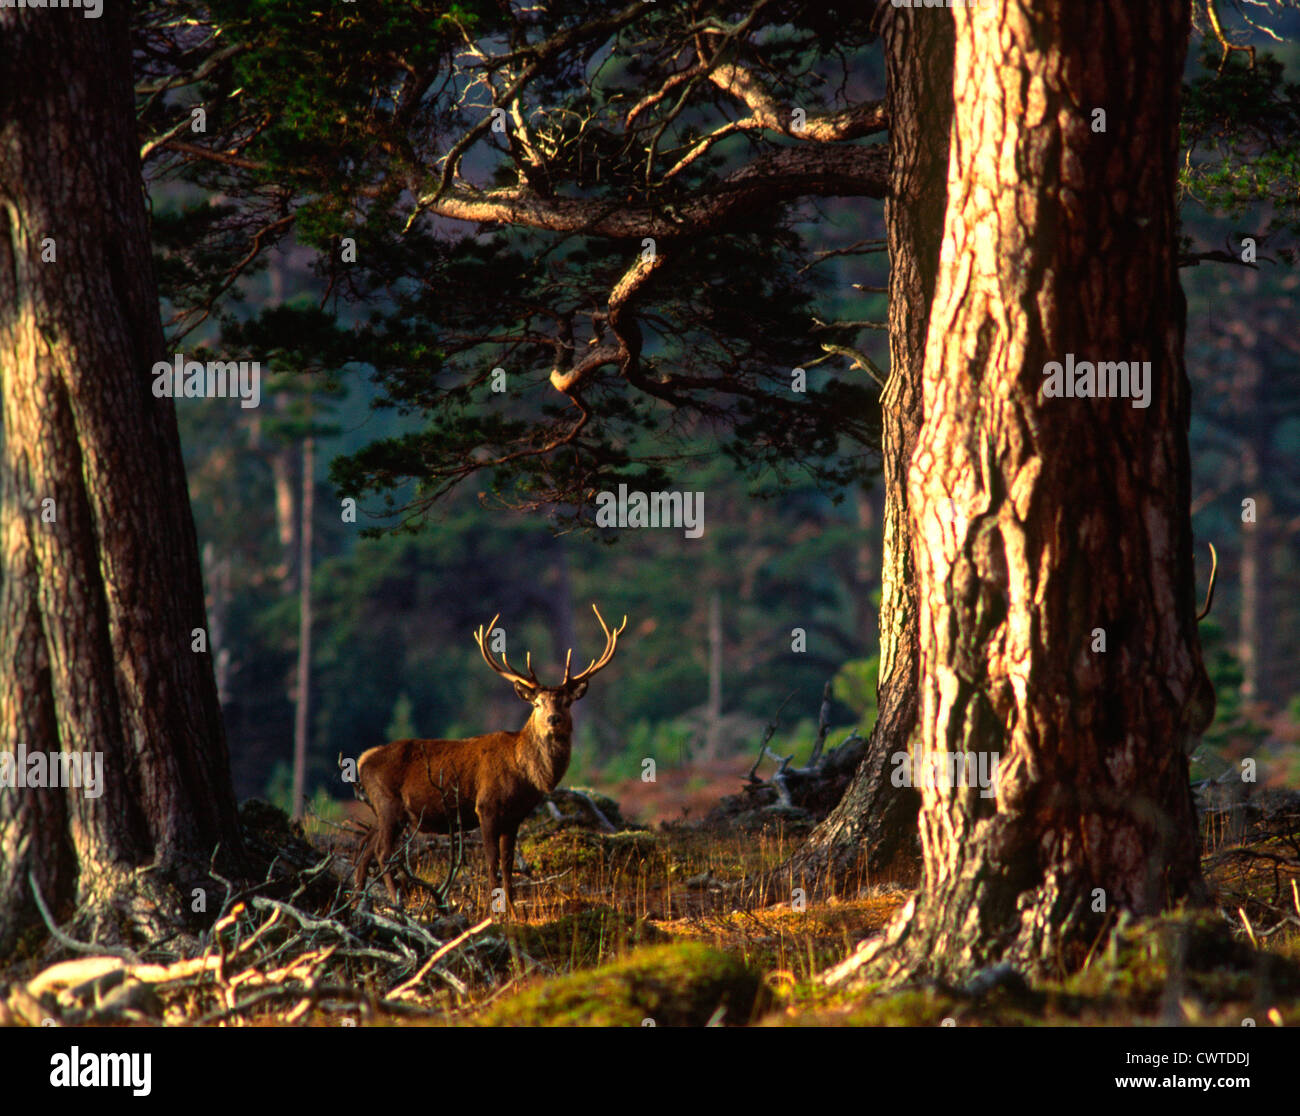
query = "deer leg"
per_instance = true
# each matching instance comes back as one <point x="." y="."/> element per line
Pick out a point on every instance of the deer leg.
<point x="388" y="829"/>
<point x="364" y="856"/>
<point x="391" y="885"/>
<point x="491" y="847"/>
<point x="370" y="853"/>
<point x="507" y="842"/>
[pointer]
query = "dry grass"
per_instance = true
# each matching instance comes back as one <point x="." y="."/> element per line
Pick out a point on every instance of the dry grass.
<point x="649" y="925"/>
<point x="601" y="904"/>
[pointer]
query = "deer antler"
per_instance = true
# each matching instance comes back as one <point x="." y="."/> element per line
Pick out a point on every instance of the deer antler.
<point x="504" y="668"/>
<point x="611" y="645"/>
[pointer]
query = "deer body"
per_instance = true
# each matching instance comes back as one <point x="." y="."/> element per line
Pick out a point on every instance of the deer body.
<point x="490" y="782"/>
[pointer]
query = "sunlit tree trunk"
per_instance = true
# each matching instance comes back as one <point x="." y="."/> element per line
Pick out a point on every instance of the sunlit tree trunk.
<point x="874" y="825"/>
<point x="101" y="590"/>
<point x="1048" y="529"/>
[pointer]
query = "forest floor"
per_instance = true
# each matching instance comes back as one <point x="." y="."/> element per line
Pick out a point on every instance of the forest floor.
<point x="619" y="924"/>
<point x="645" y="925"/>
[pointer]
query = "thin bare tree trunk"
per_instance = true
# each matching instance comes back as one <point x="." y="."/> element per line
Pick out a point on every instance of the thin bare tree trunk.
<point x="563" y="623"/>
<point x="217" y="574"/>
<point x="302" y="704"/>
<point x="865" y="562"/>
<point x="1249" y="628"/>
<point x="713" y="714"/>
<point x="1255" y="617"/>
<point x="281" y="461"/>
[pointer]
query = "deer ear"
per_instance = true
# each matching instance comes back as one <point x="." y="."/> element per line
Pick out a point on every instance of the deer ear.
<point x="577" y="690"/>
<point x="525" y="691"/>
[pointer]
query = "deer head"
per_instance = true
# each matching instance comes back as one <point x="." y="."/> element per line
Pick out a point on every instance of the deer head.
<point x="551" y="720"/>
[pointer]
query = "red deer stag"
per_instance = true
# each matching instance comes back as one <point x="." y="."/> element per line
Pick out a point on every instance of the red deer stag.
<point x="493" y="782"/>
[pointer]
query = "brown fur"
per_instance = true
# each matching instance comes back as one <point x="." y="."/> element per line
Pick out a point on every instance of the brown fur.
<point x="497" y="779"/>
<point x="490" y="782"/>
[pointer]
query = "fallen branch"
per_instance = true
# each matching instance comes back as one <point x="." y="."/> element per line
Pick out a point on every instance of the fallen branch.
<point x="403" y="988"/>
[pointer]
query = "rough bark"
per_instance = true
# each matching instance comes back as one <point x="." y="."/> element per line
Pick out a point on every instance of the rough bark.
<point x="96" y="606"/>
<point x="1041" y="520"/>
<point x="872" y="832"/>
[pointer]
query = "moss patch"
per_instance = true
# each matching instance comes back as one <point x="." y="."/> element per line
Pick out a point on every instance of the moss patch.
<point x="684" y="985"/>
<point x="1196" y="950"/>
<point x="575" y="806"/>
<point x="1182" y="968"/>
<point x="552" y="847"/>
<point x="579" y="941"/>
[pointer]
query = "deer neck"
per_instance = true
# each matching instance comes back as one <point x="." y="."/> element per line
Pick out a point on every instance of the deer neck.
<point x="544" y="756"/>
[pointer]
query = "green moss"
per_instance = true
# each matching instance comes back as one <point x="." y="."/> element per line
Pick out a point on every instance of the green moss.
<point x="552" y="848"/>
<point x="683" y="985"/>
<point x="916" y="1008"/>
<point x="1196" y="949"/>
<point x="573" y="810"/>
<point x="584" y="939"/>
<point x="1185" y="965"/>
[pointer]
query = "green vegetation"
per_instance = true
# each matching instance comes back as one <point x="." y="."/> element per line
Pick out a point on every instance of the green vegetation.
<point x="686" y="985"/>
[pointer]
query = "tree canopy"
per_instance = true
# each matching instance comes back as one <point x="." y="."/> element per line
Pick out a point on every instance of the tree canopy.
<point x="572" y="241"/>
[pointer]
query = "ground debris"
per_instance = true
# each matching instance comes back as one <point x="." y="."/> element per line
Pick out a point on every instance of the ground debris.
<point x="294" y="946"/>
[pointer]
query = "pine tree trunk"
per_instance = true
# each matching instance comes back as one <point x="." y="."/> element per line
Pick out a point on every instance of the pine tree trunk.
<point x="865" y="561"/>
<point x="281" y="461"/>
<point x="1046" y="526"/>
<point x="1255" y="611"/>
<point x="1249" y="627"/>
<point x="302" y="695"/>
<point x="559" y="601"/>
<point x="101" y="588"/>
<point x="874" y="825"/>
<point x="713" y="710"/>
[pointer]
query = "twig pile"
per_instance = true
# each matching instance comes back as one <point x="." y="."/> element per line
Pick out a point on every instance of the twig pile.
<point x="267" y="958"/>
